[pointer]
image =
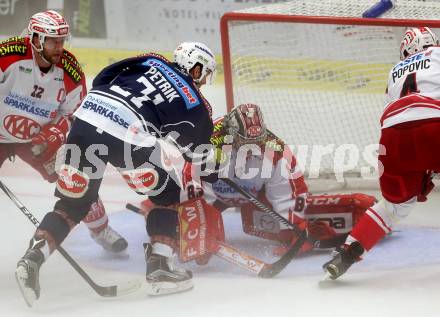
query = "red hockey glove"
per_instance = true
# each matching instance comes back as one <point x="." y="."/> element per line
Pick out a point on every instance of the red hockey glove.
<point x="320" y="230"/>
<point x="48" y="141"/>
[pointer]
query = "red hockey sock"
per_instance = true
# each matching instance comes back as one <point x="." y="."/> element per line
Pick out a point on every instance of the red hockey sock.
<point x="96" y="220"/>
<point x="370" y="229"/>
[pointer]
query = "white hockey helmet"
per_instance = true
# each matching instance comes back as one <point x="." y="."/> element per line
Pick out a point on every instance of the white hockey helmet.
<point x="415" y="40"/>
<point x="48" y="24"/>
<point x="246" y="125"/>
<point x="189" y="54"/>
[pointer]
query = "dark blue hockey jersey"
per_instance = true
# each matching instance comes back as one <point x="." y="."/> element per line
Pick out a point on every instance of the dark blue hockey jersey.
<point x="157" y="92"/>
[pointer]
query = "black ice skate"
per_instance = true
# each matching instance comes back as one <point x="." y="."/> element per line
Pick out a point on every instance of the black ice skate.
<point x="343" y="258"/>
<point x="110" y="240"/>
<point x="28" y="270"/>
<point x="163" y="277"/>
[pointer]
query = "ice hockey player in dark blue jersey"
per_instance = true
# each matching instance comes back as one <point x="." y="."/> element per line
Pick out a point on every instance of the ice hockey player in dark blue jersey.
<point x="146" y="116"/>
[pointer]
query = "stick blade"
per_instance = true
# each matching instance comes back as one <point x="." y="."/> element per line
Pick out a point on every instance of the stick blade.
<point x="273" y="269"/>
<point x="121" y="289"/>
<point x="128" y="287"/>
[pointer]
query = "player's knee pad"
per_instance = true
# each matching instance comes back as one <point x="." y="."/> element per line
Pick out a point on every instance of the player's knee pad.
<point x="162" y="222"/>
<point x="56" y="225"/>
<point x="201" y="228"/>
<point x="72" y="183"/>
<point x="153" y="182"/>
<point x="390" y="213"/>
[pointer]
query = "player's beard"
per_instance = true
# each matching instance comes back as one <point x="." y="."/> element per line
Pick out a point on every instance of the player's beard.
<point x="54" y="58"/>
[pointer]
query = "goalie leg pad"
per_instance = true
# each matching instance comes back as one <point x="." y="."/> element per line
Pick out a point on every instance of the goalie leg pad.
<point x="201" y="226"/>
<point x="340" y="211"/>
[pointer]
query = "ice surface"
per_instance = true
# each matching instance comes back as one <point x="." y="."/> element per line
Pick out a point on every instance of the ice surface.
<point x="398" y="278"/>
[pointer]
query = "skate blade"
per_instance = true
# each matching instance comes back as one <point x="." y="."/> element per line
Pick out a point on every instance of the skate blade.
<point x="28" y="293"/>
<point x="326" y="280"/>
<point x="128" y="287"/>
<point x="165" y="288"/>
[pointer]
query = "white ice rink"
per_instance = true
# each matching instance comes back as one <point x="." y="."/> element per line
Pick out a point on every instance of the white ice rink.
<point x="401" y="277"/>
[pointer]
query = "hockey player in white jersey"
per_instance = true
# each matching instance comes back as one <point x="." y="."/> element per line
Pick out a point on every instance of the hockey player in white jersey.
<point x="410" y="127"/>
<point x="41" y="84"/>
<point x="279" y="183"/>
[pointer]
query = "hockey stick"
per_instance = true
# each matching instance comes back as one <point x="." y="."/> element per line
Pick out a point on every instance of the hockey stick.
<point x="244" y="260"/>
<point x="104" y="291"/>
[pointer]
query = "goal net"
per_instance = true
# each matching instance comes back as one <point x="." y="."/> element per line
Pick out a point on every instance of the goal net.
<point x="319" y="72"/>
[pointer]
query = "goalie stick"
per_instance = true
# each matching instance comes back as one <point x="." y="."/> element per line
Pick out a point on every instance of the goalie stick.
<point x="104" y="291"/>
<point x="246" y="261"/>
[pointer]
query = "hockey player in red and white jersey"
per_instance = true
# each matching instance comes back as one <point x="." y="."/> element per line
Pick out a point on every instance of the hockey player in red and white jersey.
<point x="276" y="181"/>
<point x="410" y="127"/>
<point x="41" y="84"/>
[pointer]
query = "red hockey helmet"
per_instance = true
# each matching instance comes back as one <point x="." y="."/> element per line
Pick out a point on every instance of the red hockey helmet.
<point x="48" y="24"/>
<point x="245" y="124"/>
<point x="416" y="40"/>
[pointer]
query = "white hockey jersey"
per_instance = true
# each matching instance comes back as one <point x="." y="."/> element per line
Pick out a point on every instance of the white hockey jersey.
<point x="272" y="176"/>
<point x="413" y="91"/>
<point x="30" y="99"/>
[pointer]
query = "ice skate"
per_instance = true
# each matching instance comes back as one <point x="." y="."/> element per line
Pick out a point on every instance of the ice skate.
<point x="110" y="240"/>
<point x="343" y="258"/>
<point x="28" y="271"/>
<point x="163" y="277"/>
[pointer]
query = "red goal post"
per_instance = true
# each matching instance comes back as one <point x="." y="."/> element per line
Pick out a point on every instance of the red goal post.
<point x="318" y="77"/>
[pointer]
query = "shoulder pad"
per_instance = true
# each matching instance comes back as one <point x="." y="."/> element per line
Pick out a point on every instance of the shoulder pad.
<point x="71" y="66"/>
<point x="14" y="46"/>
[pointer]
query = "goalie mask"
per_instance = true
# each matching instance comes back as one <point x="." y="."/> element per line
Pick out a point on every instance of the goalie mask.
<point x="189" y="54"/>
<point x="245" y="124"/>
<point x="47" y="24"/>
<point x="416" y="40"/>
